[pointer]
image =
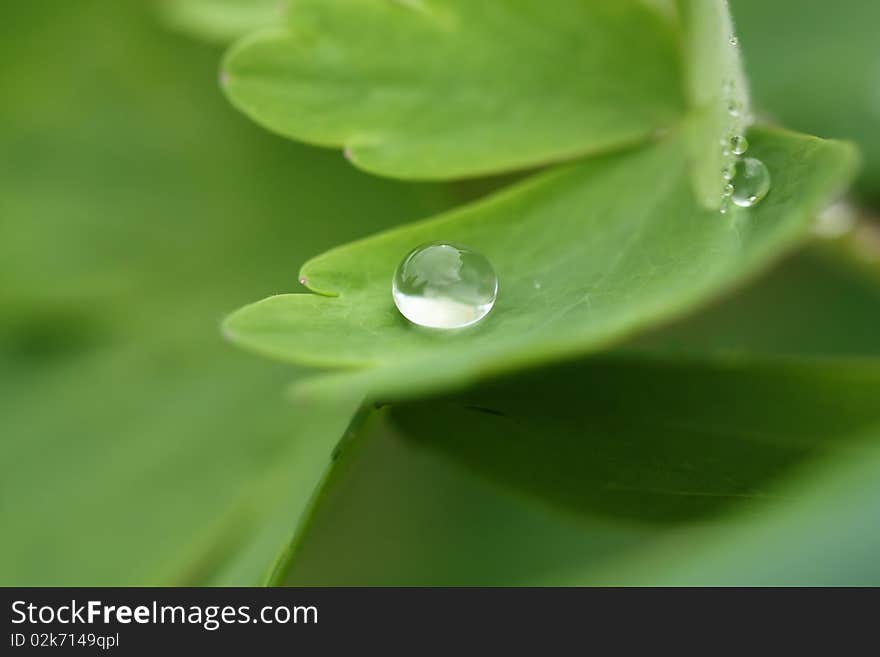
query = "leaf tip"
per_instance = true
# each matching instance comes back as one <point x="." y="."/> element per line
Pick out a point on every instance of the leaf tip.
<point x="226" y="329"/>
<point x="308" y="281"/>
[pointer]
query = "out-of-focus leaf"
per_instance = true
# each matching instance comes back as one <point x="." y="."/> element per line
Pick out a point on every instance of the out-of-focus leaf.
<point x="717" y="93"/>
<point x="135" y="210"/>
<point x="820" y="72"/>
<point x="588" y="473"/>
<point x="449" y="88"/>
<point x="822" y="533"/>
<point x="580" y="265"/>
<point x="221" y="21"/>
<point x="811" y="305"/>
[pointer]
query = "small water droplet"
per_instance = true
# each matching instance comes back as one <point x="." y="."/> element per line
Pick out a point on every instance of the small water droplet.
<point x="751" y="182"/>
<point x="445" y="286"/>
<point x="728" y="190"/>
<point x="734" y="41"/>
<point x="739" y="144"/>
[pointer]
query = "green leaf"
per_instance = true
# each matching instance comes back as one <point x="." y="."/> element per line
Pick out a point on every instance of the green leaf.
<point x="717" y="93"/>
<point x="427" y="89"/>
<point x="221" y="21"/>
<point x="821" y="534"/>
<point x="136" y="447"/>
<point x="581" y="265"/>
<point x="604" y="472"/>
<point x="814" y="304"/>
<point x="819" y="74"/>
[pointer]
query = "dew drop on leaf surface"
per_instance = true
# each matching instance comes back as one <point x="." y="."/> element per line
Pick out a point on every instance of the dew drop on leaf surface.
<point x="751" y="182"/>
<point x="739" y="145"/>
<point x="444" y="286"/>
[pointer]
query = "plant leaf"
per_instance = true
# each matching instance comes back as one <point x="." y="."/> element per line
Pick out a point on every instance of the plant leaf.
<point x="821" y="534"/>
<point x="604" y="472"/>
<point x="717" y="92"/>
<point x="815" y="304"/>
<point x="136" y="447"/>
<point x="220" y="21"/>
<point x="580" y="263"/>
<point x="428" y="89"/>
<point x="821" y="73"/>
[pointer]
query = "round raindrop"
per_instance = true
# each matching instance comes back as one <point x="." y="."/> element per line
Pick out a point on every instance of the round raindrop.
<point x="444" y="286"/>
<point x="751" y="182"/>
<point x="739" y="145"/>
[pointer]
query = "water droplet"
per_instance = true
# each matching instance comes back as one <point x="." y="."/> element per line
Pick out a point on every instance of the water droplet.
<point x="739" y="144"/>
<point x="733" y="40"/>
<point x="728" y="190"/>
<point x="751" y="182"/>
<point x="445" y="286"/>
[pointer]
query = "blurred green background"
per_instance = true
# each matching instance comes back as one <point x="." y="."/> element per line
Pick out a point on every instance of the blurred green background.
<point x="137" y="208"/>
